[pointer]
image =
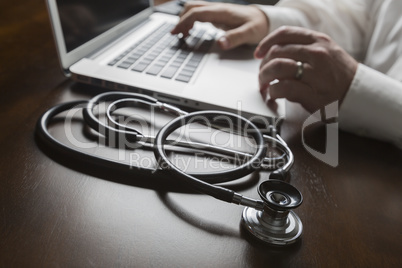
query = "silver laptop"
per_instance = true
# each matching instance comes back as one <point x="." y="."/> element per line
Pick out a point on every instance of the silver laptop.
<point x="126" y="45"/>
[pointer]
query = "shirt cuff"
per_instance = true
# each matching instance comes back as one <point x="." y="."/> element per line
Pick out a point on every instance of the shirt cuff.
<point x="373" y="106"/>
<point x="279" y="16"/>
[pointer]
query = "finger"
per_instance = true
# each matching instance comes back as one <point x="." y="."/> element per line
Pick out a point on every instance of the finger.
<point x="292" y="90"/>
<point x="264" y="93"/>
<point x="285" y="35"/>
<point x="283" y="69"/>
<point x="192" y="4"/>
<point x="207" y="13"/>
<point x="294" y="52"/>
<point x="236" y="37"/>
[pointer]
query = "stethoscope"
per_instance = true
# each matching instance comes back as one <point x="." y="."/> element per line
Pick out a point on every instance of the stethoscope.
<point x="270" y="219"/>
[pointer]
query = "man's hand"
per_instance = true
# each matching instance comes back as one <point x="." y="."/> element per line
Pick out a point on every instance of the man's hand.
<point x="323" y="75"/>
<point x="243" y="24"/>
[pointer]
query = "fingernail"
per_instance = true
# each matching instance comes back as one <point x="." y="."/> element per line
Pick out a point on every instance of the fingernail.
<point x="257" y="53"/>
<point x="224" y="42"/>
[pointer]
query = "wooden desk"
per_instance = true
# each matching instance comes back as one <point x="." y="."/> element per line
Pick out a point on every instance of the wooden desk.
<point x="53" y="215"/>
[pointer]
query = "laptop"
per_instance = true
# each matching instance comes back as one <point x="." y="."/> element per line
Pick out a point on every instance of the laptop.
<point x="126" y="45"/>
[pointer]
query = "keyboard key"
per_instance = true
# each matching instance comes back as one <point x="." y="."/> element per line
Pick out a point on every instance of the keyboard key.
<point x="169" y="72"/>
<point x="155" y="69"/>
<point x="193" y="63"/>
<point x="142" y="50"/>
<point x="165" y="54"/>
<point x="175" y="64"/>
<point x="146" y="61"/>
<point x="189" y="68"/>
<point x="125" y="65"/>
<point x="183" y="78"/>
<point x="132" y="59"/>
<point x="140" y="67"/>
<point x="164" y="59"/>
<point x="136" y="55"/>
<point x="149" y="58"/>
<point x="182" y="56"/>
<point x="113" y="62"/>
<point x="197" y="56"/>
<point x="186" y="73"/>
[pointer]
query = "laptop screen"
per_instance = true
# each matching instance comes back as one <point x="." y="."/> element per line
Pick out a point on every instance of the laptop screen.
<point x="82" y="20"/>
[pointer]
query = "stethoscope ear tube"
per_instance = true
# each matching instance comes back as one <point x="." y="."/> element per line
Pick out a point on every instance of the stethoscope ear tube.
<point x="100" y="127"/>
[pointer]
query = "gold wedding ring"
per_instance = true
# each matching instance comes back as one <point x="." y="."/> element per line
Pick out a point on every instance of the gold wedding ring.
<point x="300" y="69"/>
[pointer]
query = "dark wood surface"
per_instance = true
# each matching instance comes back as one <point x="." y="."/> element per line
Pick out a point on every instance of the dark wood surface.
<point x="57" y="213"/>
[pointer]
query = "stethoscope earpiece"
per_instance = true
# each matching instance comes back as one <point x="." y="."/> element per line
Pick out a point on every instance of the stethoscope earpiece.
<point x="276" y="224"/>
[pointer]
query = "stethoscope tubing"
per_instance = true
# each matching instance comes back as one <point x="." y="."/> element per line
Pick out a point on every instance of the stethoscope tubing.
<point x="47" y="138"/>
<point x="200" y="181"/>
<point x="218" y="192"/>
<point x="127" y="99"/>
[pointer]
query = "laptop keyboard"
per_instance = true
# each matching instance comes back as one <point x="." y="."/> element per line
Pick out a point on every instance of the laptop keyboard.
<point x="162" y="54"/>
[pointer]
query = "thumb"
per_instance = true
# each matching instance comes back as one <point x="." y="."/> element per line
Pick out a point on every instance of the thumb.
<point x="235" y="37"/>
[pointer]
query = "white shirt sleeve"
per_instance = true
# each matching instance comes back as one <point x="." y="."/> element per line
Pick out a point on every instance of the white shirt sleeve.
<point x="371" y="31"/>
<point x="344" y="20"/>
<point x="373" y="106"/>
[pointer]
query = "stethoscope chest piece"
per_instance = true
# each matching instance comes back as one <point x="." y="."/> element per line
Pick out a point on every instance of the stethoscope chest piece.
<point x="276" y="224"/>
